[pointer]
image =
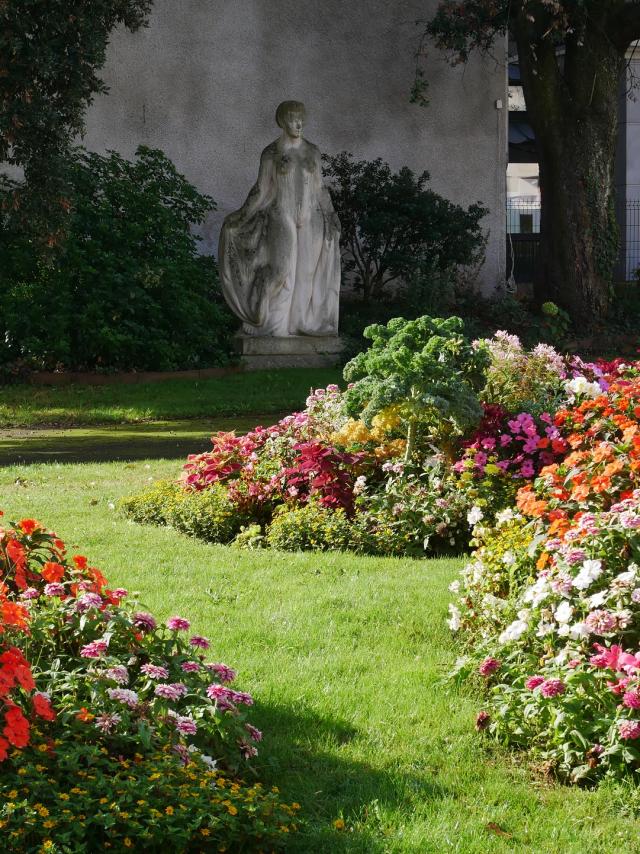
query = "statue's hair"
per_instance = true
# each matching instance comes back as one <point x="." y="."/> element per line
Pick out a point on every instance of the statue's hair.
<point x="289" y="107"/>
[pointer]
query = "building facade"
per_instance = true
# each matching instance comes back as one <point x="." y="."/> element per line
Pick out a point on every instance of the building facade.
<point x="203" y="80"/>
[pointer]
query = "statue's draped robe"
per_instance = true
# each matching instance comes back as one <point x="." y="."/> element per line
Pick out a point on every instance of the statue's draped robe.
<point x="279" y="255"/>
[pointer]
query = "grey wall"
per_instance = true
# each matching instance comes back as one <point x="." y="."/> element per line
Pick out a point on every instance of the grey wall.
<point x="202" y="83"/>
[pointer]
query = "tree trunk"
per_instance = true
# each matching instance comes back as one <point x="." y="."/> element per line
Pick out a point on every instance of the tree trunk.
<point x="572" y="102"/>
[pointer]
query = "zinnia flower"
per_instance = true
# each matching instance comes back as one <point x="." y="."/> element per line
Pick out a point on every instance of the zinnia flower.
<point x="155" y="671"/>
<point x="222" y="671"/>
<point x="533" y="682"/>
<point x="94" y="649"/>
<point x="107" y="722"/>
<point x="123" y="695"/>
<point x="629" y="729"/>
<point x="199" y="641"/>
<point x="489" y="666"/>
<point x="552" y="687"/>
<point x="178" y="624"/>
<point x="143" y="621"/>
<point x="54" y="589"/>
<point x="171" y="691"/>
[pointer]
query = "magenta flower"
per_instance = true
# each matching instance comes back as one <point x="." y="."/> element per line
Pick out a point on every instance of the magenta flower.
<point x="489" y="666"/>
<point x="172" y="691"/>
<point x="155" y="671"/>
<point x="185" y="725"/>
<point x="143" y="621"/>
<point x="629" y="729"/>
<point x="118" y="673"/>
<point x="199" y="641"/>
<point x="119" y="593"/>
<point x="533" y="682"/>
<point x="254" y="733"/>
<point x="552" y="687"/>
<point x="222" y="671"/>
<point x="178" y="624"/>
<point x="601" y="622"/>
<point x="30" y="593"/>
<point x="106" y="723"/>
<point x="482" y="720"/>
<point x="218" y="692"/>
<point x="87" y="601"/>
<point x="190" y="666"/>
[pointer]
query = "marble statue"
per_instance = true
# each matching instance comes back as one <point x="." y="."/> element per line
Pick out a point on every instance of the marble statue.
<point x="279" y="255"/>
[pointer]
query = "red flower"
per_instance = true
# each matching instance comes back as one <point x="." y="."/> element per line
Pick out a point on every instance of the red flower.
<point x="17" y="727"/>
<point x="42" y="707"/>
<point x="28" y="526"/>
<point x="80" y="561"/>
<point x="52" y="572"/>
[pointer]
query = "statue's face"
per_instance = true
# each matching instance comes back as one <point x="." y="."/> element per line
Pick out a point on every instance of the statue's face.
<point x="293" y="123"/>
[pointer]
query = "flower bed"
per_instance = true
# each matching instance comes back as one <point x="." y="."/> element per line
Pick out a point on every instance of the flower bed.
<point x="117" y="732"/>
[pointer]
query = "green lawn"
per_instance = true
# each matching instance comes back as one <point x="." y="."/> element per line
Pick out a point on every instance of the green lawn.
<point x="172" y="400"/>
<point x="347" y="659"/>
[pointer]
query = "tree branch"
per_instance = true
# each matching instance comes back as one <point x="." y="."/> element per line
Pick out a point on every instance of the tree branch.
<point x="625" y="24"/>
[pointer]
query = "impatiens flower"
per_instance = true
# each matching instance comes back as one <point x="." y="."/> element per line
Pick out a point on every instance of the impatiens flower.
<point x="590" y="570"/>
<point x="94" y="649"/>
<point x="143" y="621"/>
<point x="489" y="666"/>
<point x="629" y="729"/>
<point x="107" y="722"/>
<point x="172" y="691"/>
<point x="552" y="687"/>
<point x="222" y="671"/>
<point x="474" y="516"/>
<point x="155" y="671"/>
<point x="52" y="572"/>
<point x="533" y="682"/>
<point x="178" y="624"/>
<point x="199" y="641"/>
<point x="563" y="612"/>
<point x="42" y="706"/>
<point x="124" y="695"/>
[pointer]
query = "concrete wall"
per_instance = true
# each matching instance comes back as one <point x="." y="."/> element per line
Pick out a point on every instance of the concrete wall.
<point x="628" y="171"/>
<point x="202" y="83"/>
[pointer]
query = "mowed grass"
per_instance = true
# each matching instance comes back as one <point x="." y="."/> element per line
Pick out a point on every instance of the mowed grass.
<point x="236" y="394"/>
<point x="347" y="659"/>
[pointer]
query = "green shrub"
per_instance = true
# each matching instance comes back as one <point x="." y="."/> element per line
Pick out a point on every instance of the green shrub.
<point x="315" y="528"/>
<point x="71" y="796"/>
<point x="126" y="287"/>
<point x="208" y="514"/>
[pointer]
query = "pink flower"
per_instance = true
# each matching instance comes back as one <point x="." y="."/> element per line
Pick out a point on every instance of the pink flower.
<point x="30" y="593"/>
<point x="552" y="687"/>
<point x="254" y="733"/>
<point x="155" y="671"/>
<point x="123" y="695"/>
<point x="143" y="621"/>
<point x="185" y="725"/>
<point x="199" y="641"/>
<point x="629" y="729"/>
<point x="482" y="720"/>
<point x="94" y="649"/>
<point x="533" y="682"/>
<point x="631" y="699"/>
<point x="222" y="671"/>
<point x="173" y="691"/>
<point x="87" y="601"/>
<point x="119" y="674"/>
<point x="107" y="722"/>
<point x="119" y="593"/>
<point x="601" y="622"/>
<point x="190" y="666"/>
<point x="575" y="662"/>
<point x="178" y="624"/>
<point x="247" y="750"/>
<point x="489" y="666"/>
<point x="54" y="589"/>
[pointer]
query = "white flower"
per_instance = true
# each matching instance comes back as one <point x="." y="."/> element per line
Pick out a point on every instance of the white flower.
<point x="474" y="515"/>
<point x="580" y="386"/>
<point x="454" y="587"/>
<point x="508" y="558"/>
<point x="504" y="516"/>
<point x="597" y="599"/>
<point x="454" y="621"/>
<point x="545" y="629"/>
<point x="563" y="612"/>
<point x="537" y="593"/>
<point x="590" y="570"/>
<point x="578" y="631"/>
<point x="514" y="631"/>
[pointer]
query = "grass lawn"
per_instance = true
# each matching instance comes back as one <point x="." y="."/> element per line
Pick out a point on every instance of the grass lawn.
<point x="346" y="658"/>
<point x="173" y="400"/>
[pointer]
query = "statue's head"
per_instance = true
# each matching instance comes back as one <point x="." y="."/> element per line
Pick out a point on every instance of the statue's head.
<point x="290" y="116"/>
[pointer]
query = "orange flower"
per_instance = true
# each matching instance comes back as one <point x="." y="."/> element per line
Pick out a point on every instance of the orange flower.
<point x="52" y="572"/>
<point x="14" y="614"/>
<point x="80" y="561"/>
<point x="543" y="560"/>
<point x="84" y="716"/>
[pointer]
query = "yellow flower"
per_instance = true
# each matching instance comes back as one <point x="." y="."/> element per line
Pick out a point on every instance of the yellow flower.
<point x="22" y="771"/>
<point x="155" y="776"/>
<point x="63" y="796"/>
<point x="141" y="802"/>
<point x="169" y="810"/>
<point x="75" y="791"/>
<point x="12" y="794"/>
<point x="205" y="831"/>
<point x="339" y="824"/>
<point x="232" y="810"/>
<point x="48" y="845"/>
<point x="43" y="811"/>
<point x="127" y="842"/>
<point x="103" y="801"/>
<point x="41" y="768"/>
<point x="48" y="824"/>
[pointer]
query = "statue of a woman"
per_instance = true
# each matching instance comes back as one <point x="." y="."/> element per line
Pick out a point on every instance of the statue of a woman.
<point x="279" y="255"/>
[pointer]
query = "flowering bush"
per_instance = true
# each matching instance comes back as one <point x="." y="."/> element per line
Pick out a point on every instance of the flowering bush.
<point x="80" y="668"/>
<point x="550" y="606"/>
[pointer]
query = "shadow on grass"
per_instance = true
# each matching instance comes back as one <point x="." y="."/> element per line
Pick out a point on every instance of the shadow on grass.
<point x="153" y="440"/>
<point x="301" y="757"/>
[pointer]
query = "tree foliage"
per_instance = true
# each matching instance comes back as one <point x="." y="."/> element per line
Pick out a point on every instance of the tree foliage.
<point x="572" y="56"/>
<point x="50" y="54"/>
<point x="394" y="225"/>
<point x="425" y="370"/>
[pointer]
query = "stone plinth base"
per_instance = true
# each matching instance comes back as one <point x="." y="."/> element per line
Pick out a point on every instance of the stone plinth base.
<point x="297" y="351"/>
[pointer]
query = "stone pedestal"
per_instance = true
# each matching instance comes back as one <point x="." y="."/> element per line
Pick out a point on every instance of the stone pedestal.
<point x="297" y="351"/>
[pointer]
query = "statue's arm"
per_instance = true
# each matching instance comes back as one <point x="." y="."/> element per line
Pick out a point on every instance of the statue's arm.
<point x="261" y="192"/>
